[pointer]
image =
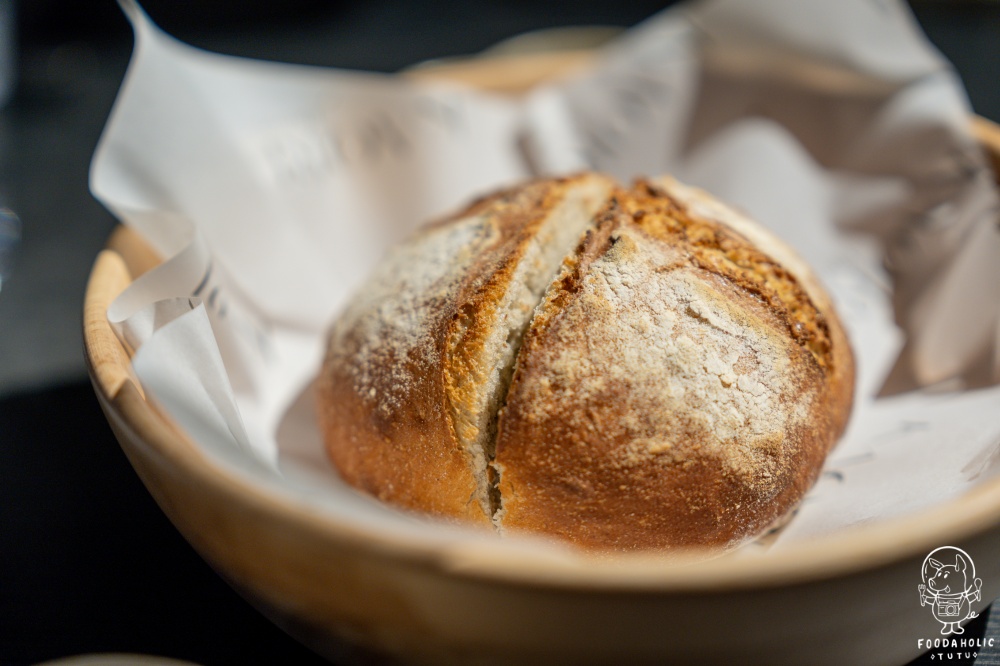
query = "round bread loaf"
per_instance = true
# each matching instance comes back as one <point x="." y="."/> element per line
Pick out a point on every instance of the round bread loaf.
<point x="625" y="369"/>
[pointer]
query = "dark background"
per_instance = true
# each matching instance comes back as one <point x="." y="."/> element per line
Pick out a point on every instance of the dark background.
<point x="87" y="561"/>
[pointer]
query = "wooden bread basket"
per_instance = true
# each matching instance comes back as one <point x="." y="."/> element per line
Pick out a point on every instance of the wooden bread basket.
<point x="847" y="598"/>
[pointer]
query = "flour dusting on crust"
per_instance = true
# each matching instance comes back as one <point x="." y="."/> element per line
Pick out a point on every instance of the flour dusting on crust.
<point x="409" y="292"/>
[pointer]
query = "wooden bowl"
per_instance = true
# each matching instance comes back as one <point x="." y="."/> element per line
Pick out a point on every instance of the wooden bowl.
<point x="849" y="598"/>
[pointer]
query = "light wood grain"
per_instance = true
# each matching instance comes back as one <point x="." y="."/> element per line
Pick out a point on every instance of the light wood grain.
<point x="988" y="134"/>
<point x="507" y="74"/>
<point x="109" y="362"/>
<point x="138" y="255"/>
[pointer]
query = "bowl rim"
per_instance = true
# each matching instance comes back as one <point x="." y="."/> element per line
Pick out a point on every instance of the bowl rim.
<point x="858" y="548"/>
<point x="848" y="551"/>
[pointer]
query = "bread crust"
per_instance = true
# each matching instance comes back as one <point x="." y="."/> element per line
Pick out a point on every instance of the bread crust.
<point x="679" y="384"/>
<point x="403" y="362"/>
<point x="661" y="399"/>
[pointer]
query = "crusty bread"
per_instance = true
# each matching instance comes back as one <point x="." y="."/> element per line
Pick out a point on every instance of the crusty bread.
<point x="622" y="368"/>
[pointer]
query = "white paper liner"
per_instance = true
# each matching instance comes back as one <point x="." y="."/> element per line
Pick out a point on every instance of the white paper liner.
<point x="275" y="188"/>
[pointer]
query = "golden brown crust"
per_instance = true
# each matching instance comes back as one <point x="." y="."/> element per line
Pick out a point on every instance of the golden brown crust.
<point x="661" y="398"/>
<point x="840" y="373"/>
<point x="680" y="384"/>
<point x="381" y="397"/>
<point x="721" y="250"/>
<point x="403" y="362"/>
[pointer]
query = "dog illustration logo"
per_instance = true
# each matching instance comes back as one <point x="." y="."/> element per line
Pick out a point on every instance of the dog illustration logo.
<point x="950" y="587"/>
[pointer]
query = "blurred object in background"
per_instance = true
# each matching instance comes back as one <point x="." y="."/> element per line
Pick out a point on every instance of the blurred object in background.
<point x="10" y="225"/>
<point x="8" y="50"/>
<point x="10" y="236"/>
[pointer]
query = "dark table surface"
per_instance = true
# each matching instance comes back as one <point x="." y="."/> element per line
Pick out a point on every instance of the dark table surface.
<point x="88" y="563"/>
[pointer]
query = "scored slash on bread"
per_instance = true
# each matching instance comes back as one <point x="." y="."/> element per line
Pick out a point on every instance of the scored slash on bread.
<point x="621" y="368"/>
